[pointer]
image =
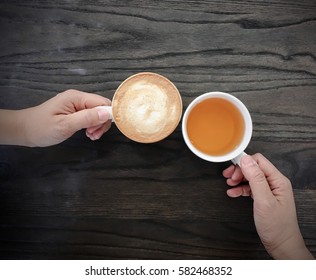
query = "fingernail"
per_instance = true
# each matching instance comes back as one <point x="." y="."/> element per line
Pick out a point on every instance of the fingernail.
<point x="247" y="161"/>
<point x="103" y="115"/>
<point x="90" y="136"/>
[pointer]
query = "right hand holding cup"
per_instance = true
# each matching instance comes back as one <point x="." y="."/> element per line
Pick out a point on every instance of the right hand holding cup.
<point x="274" y="206"/>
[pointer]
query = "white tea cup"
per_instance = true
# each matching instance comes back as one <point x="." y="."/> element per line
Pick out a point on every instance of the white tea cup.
<point x="236" y="153"/>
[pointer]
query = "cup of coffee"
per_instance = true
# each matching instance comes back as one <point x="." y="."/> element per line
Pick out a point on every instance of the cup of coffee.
<point x="217" y="127"/>
<point x="146" y="107"/>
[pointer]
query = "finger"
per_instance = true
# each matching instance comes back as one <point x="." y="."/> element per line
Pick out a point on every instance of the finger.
<point x="89" y="100"/>
<point x="256" y="177"/>
<point x="95" y="135"/>
<point x="228" y="172"/>
<point x="92" y="129"/>
<point x="234" y="175"/>
<point x="84" y="100"/>
<point x="237" y="176"/>
<point x="273" y="175"/>
<point x="231" y="182"/>
<point x="86" y="118"/>
<point x="89" y="135"/>
<point x="239" y="191"/>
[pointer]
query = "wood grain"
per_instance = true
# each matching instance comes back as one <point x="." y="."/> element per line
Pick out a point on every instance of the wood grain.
<point x="114" y="198"/>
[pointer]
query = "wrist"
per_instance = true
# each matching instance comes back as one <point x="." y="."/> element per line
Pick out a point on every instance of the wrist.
<point x="293" y="248"/>
<point x="13" y="126"/>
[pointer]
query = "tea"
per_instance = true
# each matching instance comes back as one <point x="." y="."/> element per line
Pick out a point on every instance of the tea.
<point x="215" y="126"/>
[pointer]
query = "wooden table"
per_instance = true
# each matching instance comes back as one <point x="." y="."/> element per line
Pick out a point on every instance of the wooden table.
<point x="115" y="198"/>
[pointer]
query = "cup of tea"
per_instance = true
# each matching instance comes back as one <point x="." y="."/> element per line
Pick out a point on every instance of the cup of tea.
<point x="146" y="107"/>
<point x="217" y="127"/>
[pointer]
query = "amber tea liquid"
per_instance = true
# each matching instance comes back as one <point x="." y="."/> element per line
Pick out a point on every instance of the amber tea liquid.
<point x="215" y="126"/>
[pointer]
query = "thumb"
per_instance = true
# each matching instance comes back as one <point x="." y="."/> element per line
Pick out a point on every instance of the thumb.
<point x="257" y="179"/>
<point x="87" y="118"/>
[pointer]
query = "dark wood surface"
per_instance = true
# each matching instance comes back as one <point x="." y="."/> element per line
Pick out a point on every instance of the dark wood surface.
<point x="118" y="199"/>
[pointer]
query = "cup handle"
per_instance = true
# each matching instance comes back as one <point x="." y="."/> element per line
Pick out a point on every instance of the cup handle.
<point x="109" y="109"/>
<point x="237" y="159"/>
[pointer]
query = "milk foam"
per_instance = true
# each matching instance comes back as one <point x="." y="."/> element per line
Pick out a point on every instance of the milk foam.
<point x="147" y="109"/>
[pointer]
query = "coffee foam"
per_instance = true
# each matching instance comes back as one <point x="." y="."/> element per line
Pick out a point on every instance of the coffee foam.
<point x="147" y="107"/>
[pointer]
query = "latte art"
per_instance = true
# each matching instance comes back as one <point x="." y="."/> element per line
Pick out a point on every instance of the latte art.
<point x="147" y="107"/>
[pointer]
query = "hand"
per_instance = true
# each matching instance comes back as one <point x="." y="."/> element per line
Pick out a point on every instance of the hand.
<point x="273" y="207"/>
<point x="55" y="120"/>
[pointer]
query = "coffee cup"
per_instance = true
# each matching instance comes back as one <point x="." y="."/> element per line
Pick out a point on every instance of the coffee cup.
<point x="217" y="127"/>
<point x="146" y="107"/>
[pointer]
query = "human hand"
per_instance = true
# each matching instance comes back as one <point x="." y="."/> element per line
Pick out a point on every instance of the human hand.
<point x="60" y="117"/>
<point x="273" y="208"/>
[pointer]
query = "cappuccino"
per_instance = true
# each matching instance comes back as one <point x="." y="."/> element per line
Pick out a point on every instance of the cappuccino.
<point x="147" y="107"/>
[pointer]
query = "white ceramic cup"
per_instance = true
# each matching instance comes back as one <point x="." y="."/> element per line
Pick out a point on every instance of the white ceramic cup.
<point x="234" y="155"/>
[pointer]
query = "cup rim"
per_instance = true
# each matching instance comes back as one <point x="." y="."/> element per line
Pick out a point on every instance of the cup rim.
<point x="246" y="116"/>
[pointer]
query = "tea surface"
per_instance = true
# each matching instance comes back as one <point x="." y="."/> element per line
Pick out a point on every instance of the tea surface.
<point x="215" y="126"/>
